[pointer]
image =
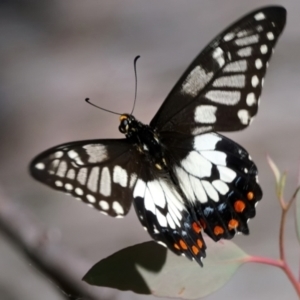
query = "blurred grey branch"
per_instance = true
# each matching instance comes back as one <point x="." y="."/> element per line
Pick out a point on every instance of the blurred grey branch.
<point x="61" y="266"/>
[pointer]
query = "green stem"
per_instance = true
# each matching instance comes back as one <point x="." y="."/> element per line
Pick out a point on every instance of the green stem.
<point x="281" y="232"/>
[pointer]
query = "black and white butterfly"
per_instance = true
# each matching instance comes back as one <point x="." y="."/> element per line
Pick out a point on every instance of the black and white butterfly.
<point x="181" y="175"/>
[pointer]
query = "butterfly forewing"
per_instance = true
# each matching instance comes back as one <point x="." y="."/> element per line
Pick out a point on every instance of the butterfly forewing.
<point x="98" y="172"/>
<point x="220" y="90"/>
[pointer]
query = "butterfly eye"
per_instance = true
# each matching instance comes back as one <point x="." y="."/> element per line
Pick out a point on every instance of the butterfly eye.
<point x="124" y="126"/>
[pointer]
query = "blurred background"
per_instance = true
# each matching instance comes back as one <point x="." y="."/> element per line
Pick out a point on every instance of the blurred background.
<point x="56" y="53"/>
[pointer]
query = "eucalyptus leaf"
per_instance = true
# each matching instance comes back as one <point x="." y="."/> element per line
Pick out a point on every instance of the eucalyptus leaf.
<point x="149" y="268"/>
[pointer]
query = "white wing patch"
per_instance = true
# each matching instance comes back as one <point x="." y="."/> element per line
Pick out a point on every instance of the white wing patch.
<point x="216" y="157"/>
<point x="62" y="169"/>
<point x="226" y="174"/>
<point x="258" y="64"/>
<point x="236" y="66"/>
<point x="210" y="190"/>
<point x="71" y="174"/>
<point x="224" y="97"/>
<point x="198" y="189"/>
<point x="195" y="164"/>
<point x="118" y="208"/>
<point x="248" y="40"/>
<point x="91" y="198"/>
<point x="244" y="116"/>
<point x="205" y="114"/>
<point x="218" y="55"/>
<point x="206" y="141"/>
<point x="104" y="204"/>
<point x="264" y="49"/>
<point x="245" y="52"/>
<point x="259" y="16"/>
<point x="236" y="81"/>
<point x="159" y="197"/>
<point x="270" y="36"/>
<point x="79" y="191"/>
<point x="196" y="81"/>
<point x="82" y="176"/>
<point x="105" y="182"/>
<point x="162" y="200"/>
<point x="195" y="175"/>
<point x="40" y="166"/>
<point x="162" y="220"/>
<point x="220" y="186"/>
<point x="254" y="81"/>
<point x="229" y="36"/>
<point x="96" y="153"/>
<point x="58" y="183"/>
<point x="120" y="176"/>
<point x="242" y="33"/>
<point x="92" y="183"/>
<point x="58" y="154"/>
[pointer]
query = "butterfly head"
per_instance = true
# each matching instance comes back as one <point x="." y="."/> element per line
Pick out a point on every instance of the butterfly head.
<point x="126" y="123"/>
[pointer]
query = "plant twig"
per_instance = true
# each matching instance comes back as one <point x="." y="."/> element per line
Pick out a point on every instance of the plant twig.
<point x="265" y="260"/>
<point x="285" y="208"/>
<point x="285" y="267"/>
<point x="281" y="230"/>
<point x="61" y="266"/>
<point x="281" y="263"/>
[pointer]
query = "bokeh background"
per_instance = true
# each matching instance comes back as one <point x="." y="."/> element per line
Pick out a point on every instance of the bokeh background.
<point x="55" y="53"/>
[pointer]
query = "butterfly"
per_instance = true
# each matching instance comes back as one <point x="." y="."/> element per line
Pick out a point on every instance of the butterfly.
<point x="182" y="176"/>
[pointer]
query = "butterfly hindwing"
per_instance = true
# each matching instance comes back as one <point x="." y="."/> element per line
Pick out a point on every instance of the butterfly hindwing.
<point x="98" y="172"/>
<point x="163" y="213"/>
<point x="218" y="179"/>
<point x="220" y="90"/>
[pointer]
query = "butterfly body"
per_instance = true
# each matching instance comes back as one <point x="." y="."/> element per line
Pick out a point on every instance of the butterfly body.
<point x="182" y="177"/>
<point x="144" y="139"/>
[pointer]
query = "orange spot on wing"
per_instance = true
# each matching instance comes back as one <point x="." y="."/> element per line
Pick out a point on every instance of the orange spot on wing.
<point x="196" y="227"/>
<point x="218" y="230"/>
<point x="183" y="245"/>
<point x="239" y="206"/>
<point x="250" y="196"/>
<point x="199" y="243"/>
<point x="233" y="223"/>
<point x="195" y="250"/>
<point x="176" y="246"/>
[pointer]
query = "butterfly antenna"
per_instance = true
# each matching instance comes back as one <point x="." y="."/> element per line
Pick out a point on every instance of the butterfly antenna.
<point x="88" y="101"/>
<point x="135" y="75"/>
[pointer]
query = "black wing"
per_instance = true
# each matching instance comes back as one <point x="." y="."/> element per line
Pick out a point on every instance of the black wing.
<point x="162" y="210"/>
<point x="218" y="179"/>
<point x="108" y="175"/>
<point x="220" y="90"/>
<point x="98" y="172"/>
